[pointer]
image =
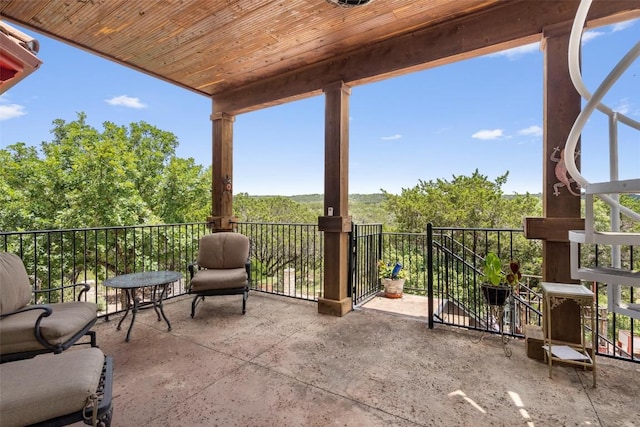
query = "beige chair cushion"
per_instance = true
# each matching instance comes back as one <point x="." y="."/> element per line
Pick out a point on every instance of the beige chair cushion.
<point x="15" y="289"/>
<point x="48" y="386"/>
<point x="229" y="278"/>
<point x="16" y="331"/>
<point x="223" y="250"/>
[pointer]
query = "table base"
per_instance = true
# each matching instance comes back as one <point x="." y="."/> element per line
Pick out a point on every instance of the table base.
<point x="134" y="304"/>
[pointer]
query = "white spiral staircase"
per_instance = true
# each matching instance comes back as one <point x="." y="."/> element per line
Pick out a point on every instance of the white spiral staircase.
<point x="614" y="276"/>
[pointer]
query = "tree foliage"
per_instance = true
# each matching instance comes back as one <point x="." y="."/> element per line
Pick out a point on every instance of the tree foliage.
<point x="465" y="201"/>
<point x="21" y="181"/>
<point x="278" y="209"/>
<point x="278" y="250"/>
<point x="87" y="178"/>
<point x="184" y="192"/>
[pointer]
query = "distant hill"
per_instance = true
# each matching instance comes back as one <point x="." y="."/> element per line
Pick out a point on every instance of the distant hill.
<point x="368" y="199"/>
<point x="365" y="199"/>
<point x="363" y="208"/>
<point x="511" y="196"/>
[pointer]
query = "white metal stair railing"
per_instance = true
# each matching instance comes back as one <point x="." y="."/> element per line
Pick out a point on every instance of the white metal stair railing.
<point x="609" y="191"/>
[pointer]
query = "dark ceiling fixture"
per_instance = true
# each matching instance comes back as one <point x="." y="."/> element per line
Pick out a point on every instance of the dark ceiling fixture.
<point x="349" y="3"/>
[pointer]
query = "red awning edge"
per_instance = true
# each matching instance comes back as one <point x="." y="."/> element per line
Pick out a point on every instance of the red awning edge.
<point x="17" y="56"/>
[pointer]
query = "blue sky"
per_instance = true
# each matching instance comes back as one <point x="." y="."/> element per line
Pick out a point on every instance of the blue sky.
<point x="484" y="113"/>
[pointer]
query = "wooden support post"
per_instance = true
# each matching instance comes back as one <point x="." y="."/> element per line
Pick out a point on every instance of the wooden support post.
<point x="336" y="222"/>
<point x="221" y="218"/>
<point x="561" y="196"/>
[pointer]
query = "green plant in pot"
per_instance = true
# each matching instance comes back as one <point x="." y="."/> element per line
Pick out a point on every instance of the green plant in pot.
<point x="498" y="282"/>
<point x="392" y="277"/>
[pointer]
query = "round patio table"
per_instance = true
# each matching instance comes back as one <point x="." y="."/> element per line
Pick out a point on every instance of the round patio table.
<point x="130" y="283"/>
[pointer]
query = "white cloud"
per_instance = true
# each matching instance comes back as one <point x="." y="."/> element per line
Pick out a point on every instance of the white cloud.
<point x="11" y="111"/>
<point x="531" y="131"/>
<point x="488" y="134"/>
<point x="519" y="51"/>
<point x="622" y="25"/>
<point x="623" y="107"/>
<point x="587" y="36"/>
<point x="389" y="138"/>
<point x="126" y="101"/>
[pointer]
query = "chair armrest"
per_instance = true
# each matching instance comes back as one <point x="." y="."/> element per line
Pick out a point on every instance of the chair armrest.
<point x="85" y="288"/>
<point x="247" y="266"/>
<point x="193" y="267"/>
<point x="46" y="312"/>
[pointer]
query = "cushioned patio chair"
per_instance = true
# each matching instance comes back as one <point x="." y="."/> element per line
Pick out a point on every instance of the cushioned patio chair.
<point x="29" y="329"/>
<point x="58" y="390"/>
<point x="222" y="268"/>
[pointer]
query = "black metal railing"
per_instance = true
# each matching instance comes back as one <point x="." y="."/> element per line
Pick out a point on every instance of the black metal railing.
<point x="369" y="245"/>
<point x="288" y="260"/>
<point x="454" y="295"/>
<point x="366" y="249"/>
<point x="456" y="258"/>
<point x="458" y="255"/>
<point x="54" y="258"/>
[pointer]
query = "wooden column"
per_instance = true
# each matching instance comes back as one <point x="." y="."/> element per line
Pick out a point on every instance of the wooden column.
<point x="336" y="222"/>
<point x="221" y="218"/>
<point x="561" y="197"/>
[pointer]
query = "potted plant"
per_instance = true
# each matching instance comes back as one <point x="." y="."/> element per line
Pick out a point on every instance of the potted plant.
<point x="499" y="283"/>
<point x="392" y="277"/>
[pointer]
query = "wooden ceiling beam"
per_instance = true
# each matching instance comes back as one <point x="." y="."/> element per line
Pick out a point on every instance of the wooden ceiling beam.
<point x="510" y="24"/>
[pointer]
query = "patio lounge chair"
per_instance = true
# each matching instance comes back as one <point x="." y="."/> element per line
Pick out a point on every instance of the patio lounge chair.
<point x="29" y="329"/>
<point x="50" y="390"/>
<point x="222" y="268"/>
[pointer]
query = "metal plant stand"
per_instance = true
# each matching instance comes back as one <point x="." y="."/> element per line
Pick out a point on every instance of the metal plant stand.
<point x="497" y="313"/>
<point x="495" y="298"/>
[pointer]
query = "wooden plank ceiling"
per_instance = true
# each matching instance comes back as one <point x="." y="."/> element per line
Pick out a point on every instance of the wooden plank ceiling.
<point x="248" y="54"/>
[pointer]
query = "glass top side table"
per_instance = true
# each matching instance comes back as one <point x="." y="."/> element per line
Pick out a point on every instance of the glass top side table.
<point x="130" y="283"/>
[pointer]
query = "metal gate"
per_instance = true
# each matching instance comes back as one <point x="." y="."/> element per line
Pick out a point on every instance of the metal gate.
<point x="366" y="249"/>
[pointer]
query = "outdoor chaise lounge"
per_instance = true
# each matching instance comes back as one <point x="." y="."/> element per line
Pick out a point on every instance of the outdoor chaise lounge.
<point x="222" y="268"/>
<point x="57" y="390"/>
<point x="29" y="329"/>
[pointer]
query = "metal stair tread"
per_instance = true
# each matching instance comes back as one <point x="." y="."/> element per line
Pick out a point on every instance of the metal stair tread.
<point x="609" y="275"/>
<point x="613" y="187"/>
<point x="605" y="237"/>
<point x="631" y="306"/>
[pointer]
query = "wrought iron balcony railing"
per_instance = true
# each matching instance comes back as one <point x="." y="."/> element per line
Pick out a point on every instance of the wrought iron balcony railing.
<point x="288" y="260"/>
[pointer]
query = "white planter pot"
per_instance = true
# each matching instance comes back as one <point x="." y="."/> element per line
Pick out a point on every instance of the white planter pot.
<point x="393" y="287"/>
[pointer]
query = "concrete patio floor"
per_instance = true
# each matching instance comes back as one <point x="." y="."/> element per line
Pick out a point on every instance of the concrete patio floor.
<point x="283" y="364"/>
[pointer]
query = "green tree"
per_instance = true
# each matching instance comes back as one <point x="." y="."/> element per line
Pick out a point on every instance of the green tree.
<point x="21" y="182"/>
<point x="85" y="178"/>
<point x="92" y="177"/>
<point x="369" y="209"/>
<point x="465" y="201"/>
<point x="278" y="209"/>
<point x="284" y="246"/>
<point x="184" y="192"/>
<point x="153" y="151"/>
